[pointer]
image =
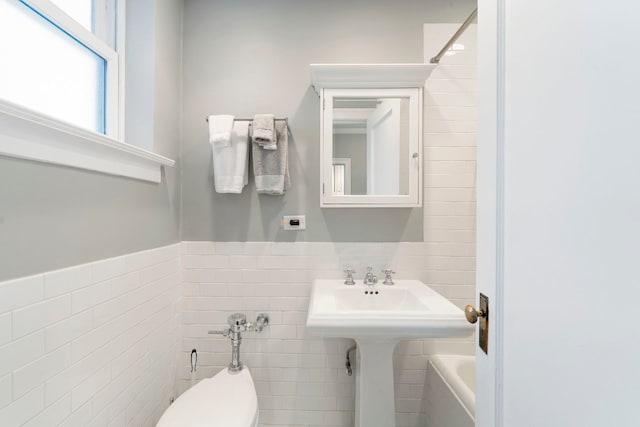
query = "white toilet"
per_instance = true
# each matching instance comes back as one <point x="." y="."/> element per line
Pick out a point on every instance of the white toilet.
<point x="227" y="400"/>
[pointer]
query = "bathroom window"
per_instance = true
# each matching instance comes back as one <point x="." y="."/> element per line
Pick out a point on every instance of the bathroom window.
<point x="59" y="61"/>
<point x="62" y="87"/>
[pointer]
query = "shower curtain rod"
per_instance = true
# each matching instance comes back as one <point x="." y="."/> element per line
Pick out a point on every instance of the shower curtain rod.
<point x="452" y="40"/>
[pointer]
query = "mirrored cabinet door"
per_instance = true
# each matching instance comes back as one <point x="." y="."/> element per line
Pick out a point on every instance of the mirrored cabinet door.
<point x="371" y="147"/>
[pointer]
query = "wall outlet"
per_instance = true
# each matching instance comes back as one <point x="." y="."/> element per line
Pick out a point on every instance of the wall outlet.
<point x="294" y="222"/>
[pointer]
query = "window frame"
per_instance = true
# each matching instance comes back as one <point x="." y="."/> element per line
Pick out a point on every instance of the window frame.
<point x="93" y="42"/>
<point x="29" y="134"/>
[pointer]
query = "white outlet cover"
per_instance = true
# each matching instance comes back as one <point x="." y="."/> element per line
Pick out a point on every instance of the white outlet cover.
<point x="287" y="225"/>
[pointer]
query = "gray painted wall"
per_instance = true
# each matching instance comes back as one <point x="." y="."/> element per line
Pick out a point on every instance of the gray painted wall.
<point x="253" y="56"/>
<point x="53" y="217"/>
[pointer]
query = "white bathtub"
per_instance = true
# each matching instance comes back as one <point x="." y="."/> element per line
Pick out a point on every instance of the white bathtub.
<point x="450" y="395"/>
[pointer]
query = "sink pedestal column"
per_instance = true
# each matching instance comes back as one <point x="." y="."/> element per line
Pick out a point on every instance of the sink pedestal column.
<point x="375" y="397"/>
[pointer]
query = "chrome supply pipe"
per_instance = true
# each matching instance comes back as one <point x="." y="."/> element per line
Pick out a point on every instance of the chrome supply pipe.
<point x="347" y="363"/>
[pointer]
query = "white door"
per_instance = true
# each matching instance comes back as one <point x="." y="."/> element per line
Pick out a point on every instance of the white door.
<point x="487" y="211"/>
<point x="383" y="148"/>
<point x="559" y="212"/>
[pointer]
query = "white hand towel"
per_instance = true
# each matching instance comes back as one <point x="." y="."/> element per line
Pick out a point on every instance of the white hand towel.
<point x="271" y="167"/>
<point x="220" y="130"/>
<point x="231" y="164"/>
<point x="263" y="131"/>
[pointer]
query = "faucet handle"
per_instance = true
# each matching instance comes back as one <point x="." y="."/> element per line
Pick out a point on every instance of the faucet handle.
<point x="349" y="280"/>
<point x="388" y="280"/>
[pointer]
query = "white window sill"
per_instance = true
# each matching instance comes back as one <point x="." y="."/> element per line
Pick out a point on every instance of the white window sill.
<point x="30" y="135"/>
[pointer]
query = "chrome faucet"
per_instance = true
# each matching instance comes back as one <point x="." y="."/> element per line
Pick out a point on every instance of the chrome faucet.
<point x="370" y="278"/>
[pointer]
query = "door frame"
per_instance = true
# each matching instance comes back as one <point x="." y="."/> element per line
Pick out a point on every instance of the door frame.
<point x="490" y="206"/>
<point x="383" y="114"/>
<point x="346" y="178"/>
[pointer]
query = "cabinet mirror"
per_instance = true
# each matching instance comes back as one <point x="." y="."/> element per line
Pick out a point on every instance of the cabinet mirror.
<point x="371" y="149"/>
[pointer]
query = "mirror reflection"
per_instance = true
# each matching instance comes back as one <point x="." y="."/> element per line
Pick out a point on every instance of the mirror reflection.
<point x="370" y="146"/>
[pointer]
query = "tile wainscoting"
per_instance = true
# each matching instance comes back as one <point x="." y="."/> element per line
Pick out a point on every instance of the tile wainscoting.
<point x="97" y="344"/>
<point x="91" y="345"/>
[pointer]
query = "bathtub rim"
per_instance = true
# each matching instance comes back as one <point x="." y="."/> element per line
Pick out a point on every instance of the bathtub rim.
<point x="445" y="366"/>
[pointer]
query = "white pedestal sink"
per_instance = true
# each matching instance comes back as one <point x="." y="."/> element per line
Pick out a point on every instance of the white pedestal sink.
<point x="378" y="317"/>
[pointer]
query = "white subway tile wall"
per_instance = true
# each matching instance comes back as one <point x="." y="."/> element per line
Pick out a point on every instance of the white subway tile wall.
<point x="301" y="379"/>
<point x="91" y="345"/>
<point x="450" y="148"/>
<point x="450" y="166"/>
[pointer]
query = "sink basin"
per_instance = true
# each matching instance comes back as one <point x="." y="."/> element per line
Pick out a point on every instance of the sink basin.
<point x="408" y="309"/>
<point x="378" y="317"/>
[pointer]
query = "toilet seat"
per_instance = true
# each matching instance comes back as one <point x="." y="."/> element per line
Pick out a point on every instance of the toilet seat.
<point x="228" y="399"/>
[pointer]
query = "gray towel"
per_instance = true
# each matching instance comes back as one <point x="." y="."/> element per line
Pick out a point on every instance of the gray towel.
<point x="263" y="131"/>
<point x="271" y="167"/>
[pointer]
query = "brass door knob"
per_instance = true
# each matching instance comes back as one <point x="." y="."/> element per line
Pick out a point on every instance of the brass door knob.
<point x="472" y="314"/>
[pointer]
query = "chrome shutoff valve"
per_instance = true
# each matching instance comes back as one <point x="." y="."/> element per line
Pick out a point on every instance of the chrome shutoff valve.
<point x="237" y="324"/>
<point x="261" y="321"/>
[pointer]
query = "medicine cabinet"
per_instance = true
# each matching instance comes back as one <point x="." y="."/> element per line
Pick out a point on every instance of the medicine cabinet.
<point x="370" y="134"/>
